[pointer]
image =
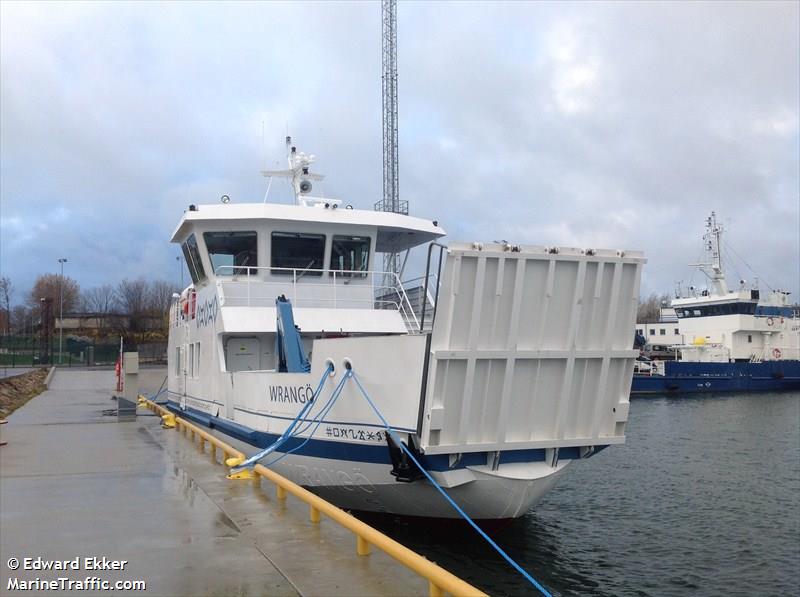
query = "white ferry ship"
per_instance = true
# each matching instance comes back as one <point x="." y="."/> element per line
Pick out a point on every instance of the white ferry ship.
<point x="503" y="367"/>
<point x="734" y="340"/>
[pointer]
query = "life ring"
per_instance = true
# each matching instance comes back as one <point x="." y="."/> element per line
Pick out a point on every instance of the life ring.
<point x="776" y="352"/>
<point x="770" y="321"/>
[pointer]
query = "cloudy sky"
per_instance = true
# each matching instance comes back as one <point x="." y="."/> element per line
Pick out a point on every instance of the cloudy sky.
<point x="614" y="125"/>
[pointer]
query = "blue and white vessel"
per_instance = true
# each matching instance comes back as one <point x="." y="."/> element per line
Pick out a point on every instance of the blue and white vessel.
<point x="498" y="373"/>
<point x="735" y="340"/>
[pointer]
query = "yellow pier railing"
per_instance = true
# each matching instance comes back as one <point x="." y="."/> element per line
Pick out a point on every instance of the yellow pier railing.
<point x="440" y="581"/>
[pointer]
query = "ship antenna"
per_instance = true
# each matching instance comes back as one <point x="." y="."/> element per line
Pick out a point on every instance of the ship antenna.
<point x="298" y="173"/>
<point x="713" y="240"/>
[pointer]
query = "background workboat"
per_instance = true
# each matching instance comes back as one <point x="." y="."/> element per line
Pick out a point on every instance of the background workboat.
<point x="736" y="340"/>
<point x="498" y="369"/>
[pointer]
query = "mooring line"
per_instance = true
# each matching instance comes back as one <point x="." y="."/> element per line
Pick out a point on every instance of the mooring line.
<point x="433" y="482"/>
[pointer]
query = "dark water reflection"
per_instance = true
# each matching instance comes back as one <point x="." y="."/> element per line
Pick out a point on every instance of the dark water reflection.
<point x="703" y="499"/>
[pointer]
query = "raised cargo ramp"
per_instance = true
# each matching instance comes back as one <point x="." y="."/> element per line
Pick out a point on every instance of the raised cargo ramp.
<point x="531" y="347"/>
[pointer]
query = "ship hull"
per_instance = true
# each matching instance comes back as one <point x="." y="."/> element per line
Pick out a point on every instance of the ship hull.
<point x="358" y="477"/>
<point x="682" y="377"/>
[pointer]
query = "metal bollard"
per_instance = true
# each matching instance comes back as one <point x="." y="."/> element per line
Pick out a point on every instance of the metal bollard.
<point x="434" y="591"/>
<point x="362" y="546"/>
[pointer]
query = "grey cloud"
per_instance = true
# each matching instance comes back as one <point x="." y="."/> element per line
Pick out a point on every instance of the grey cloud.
<point x="615" y="124"/>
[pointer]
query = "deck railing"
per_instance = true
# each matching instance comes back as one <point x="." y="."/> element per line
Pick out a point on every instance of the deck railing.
<point x="259" y="286"/>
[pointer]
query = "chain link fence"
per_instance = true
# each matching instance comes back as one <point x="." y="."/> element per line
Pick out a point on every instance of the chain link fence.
<point x="33" y="350"/>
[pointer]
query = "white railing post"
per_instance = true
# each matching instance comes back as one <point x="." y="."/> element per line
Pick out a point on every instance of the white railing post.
<point x="404" y="302"/>
<point x="294" y="287"/>
<point x="248" y="285"/>
<point x="334" y="289"/>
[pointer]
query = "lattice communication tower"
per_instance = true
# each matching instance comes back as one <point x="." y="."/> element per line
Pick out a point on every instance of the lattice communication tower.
<point x="391" y="176"/>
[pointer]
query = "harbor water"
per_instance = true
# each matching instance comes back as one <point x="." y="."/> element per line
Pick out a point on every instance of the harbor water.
<point x="703" y="499"/>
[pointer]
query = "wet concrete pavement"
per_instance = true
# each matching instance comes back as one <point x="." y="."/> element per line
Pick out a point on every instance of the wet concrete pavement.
<point x="75" y="483"/>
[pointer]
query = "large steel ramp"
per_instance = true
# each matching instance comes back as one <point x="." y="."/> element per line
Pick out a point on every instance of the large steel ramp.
<point x="531" y="347"/>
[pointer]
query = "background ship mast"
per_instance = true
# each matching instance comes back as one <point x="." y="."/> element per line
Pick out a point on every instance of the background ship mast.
<point x="712" y="268"/>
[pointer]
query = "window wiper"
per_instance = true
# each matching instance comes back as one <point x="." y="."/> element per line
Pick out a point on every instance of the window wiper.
<point x="308" y="267"/>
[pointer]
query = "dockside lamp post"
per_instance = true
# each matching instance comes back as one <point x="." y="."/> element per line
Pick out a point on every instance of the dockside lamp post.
<point x="62" y="261"/>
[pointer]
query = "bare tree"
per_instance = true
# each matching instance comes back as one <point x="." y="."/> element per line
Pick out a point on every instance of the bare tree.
<point x="131" y="298"/>
<point x="159" y="297"/>
<point x="21" y="319"/>
<point x="50" y="286"/>
<point x="650" y="308"/>
<point x="100" y="300"/>
<point x="6" y="290"/>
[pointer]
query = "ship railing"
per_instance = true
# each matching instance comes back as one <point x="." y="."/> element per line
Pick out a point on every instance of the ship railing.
<point x="420" y="291"/>
<point x="431" y="284"/>
<point x="259" y="286"/>
<point x="649" y="368"/>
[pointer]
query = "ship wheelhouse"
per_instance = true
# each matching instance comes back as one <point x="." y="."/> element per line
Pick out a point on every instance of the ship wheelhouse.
<point x="326" y="261"/>
<point x="732" y="327"/>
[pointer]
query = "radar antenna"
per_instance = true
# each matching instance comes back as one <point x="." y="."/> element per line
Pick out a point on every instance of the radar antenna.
<point x="298" y="172"/>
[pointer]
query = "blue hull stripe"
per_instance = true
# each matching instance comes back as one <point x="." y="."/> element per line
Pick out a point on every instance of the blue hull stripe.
<point x="688" y="378"/>
<point x="375" y="454"/>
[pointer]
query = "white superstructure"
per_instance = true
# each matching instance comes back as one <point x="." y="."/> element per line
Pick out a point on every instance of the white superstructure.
<point x="724" y="325"/>
<point x="526" y="367"/>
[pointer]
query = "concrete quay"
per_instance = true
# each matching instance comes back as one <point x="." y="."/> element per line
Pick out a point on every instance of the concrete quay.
<point x="75" y="483"/>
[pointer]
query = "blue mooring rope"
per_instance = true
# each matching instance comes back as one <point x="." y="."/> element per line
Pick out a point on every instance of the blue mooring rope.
<point x="161" y="391"/>
<point x="458" y="509"/>
<point x="318" y="419"/>
<point x="289" y="430"/>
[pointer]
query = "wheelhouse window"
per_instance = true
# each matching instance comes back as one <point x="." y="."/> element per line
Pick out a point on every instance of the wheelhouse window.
<point x="298" y="251"/>
<point x="722" y="309"/>
<point x="231" y="253"/>
<point x="350" y="254"/>
<point x="191" y="253"/>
